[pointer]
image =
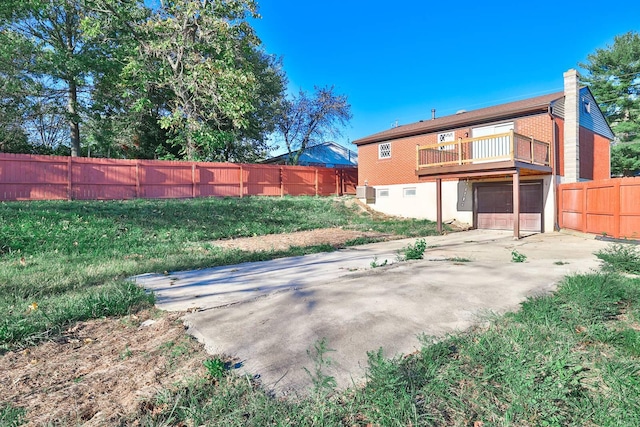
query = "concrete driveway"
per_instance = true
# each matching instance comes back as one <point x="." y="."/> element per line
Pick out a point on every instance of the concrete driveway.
<point x="268" y="314"/>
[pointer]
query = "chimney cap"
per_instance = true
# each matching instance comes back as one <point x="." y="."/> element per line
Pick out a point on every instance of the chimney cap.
<point x="571" y="72"/>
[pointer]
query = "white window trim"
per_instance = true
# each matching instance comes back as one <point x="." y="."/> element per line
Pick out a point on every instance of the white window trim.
<point x="382" y="192"/>
<point x="409" y="190"/>
<point x="382" y="150"/>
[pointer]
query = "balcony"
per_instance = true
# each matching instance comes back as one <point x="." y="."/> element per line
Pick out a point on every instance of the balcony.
<point x="483" y="155"/>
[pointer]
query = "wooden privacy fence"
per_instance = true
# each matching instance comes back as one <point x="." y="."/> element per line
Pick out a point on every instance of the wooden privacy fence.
<point x="609" y="207"/>
<point x="30" y="177"/>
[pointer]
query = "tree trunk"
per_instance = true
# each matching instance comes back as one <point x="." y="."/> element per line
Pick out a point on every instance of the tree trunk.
<point x="191" y="145"/>
<point x="74" y="126"/>
<point x="296" y="157"/>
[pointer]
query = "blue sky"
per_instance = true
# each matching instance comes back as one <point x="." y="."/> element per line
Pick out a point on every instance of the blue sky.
<point x="398" y="60"/>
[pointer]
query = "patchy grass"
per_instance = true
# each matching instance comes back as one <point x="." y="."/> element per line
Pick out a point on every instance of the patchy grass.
<point x="11" y="416"/>
<point x="61" y="261"/>
<point x="413" y="251"/>
<point x="517" y="256"/>
<point x="621" y="257"/>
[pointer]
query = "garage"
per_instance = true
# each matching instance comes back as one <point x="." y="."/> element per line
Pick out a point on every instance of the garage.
<point x="494" y="206"/>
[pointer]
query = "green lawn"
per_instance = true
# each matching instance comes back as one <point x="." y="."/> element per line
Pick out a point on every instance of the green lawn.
<point x="72" y="258"/>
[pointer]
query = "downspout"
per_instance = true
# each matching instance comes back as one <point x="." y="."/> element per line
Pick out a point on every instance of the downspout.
<point x="554" y="143"/>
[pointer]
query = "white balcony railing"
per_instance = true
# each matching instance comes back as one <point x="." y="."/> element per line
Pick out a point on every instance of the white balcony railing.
<point x="508" y="146"/>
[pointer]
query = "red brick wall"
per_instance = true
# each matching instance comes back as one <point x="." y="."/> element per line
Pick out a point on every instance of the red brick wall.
<point x="602" y="158"/>
<point x="595" y="157"/>
<point x="586" y="153"/>
<point x="539" y="126"/>
<point x="400" y="168"/>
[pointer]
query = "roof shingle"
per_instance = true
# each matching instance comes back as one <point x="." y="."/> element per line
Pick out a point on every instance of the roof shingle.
<point x="496" y="112"/>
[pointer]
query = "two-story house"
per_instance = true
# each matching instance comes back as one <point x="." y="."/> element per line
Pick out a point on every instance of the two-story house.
<point x="495" y="167"/>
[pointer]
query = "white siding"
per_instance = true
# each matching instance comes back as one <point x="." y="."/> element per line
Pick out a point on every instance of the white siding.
<point x="423" y="204"/>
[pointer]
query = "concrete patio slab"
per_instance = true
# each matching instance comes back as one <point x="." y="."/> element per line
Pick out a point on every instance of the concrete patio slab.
<point x="268" y="314"/>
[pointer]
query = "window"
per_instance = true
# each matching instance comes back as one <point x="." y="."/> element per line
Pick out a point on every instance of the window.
<point x="446" y="137"/>
<point x="384" y="150"/>
<point x="587" y="106"/>
<point x="409" y="191"/>
<point x="383" y="192"/>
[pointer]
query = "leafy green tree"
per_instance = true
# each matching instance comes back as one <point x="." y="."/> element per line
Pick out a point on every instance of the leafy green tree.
<point x="625" y="159"/>
<point x="60" y="58"/>
<point x="307" y="120"/>
<point x="118" y="125"/>
<point x="613" y="74"/>
<point x="206" y="57"/>
<point x="15" y="87"/>
<point x="251" y="143"/>
<point x="64" y="61"/>
<point x="186" y="79"/>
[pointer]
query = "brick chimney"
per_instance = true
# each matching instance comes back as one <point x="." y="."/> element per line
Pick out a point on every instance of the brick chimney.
<point x="571" y="127"/>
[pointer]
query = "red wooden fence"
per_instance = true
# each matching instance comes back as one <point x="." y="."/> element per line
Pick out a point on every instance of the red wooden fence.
<point x="29" y="177"/>
<point x="610" y="207"/>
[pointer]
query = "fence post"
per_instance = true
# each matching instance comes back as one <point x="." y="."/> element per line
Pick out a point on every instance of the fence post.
<point x="69" y="177"/>
<point x="193" y="180"/>
<point x="559" y="206"/>
<point x="343" y="182"/>
<point x="241" y="182"/>
<point x="337" y="175"/>
<point x="616" y="208"/>
<point x="281" y="182"/>
<point x="316" y="184"/>
<point x="137" y="179"/>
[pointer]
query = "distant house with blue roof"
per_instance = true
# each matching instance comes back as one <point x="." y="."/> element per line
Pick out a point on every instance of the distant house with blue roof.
<point x="328" y="154"/>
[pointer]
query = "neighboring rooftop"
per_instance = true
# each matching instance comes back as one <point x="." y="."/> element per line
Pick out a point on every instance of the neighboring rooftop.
<point x="482" y="115"/>
<point x="328" y="154"/>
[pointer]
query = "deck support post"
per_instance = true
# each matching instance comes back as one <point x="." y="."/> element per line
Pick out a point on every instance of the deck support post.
<point x="516" y="204"/>
<point x="439" y="204"/>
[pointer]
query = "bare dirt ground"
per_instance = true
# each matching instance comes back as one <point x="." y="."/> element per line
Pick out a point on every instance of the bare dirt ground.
<point x="101" y="372"/>
<point x="277" y="242"/>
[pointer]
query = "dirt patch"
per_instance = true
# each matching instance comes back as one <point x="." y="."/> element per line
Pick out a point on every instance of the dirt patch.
<point x="101" y="371"/>
<point x="280" y="242"/>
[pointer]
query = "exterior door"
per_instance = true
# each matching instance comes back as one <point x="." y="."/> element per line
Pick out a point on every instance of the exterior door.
<point x="494" y="206"/>
<point x="491" y="149"/>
